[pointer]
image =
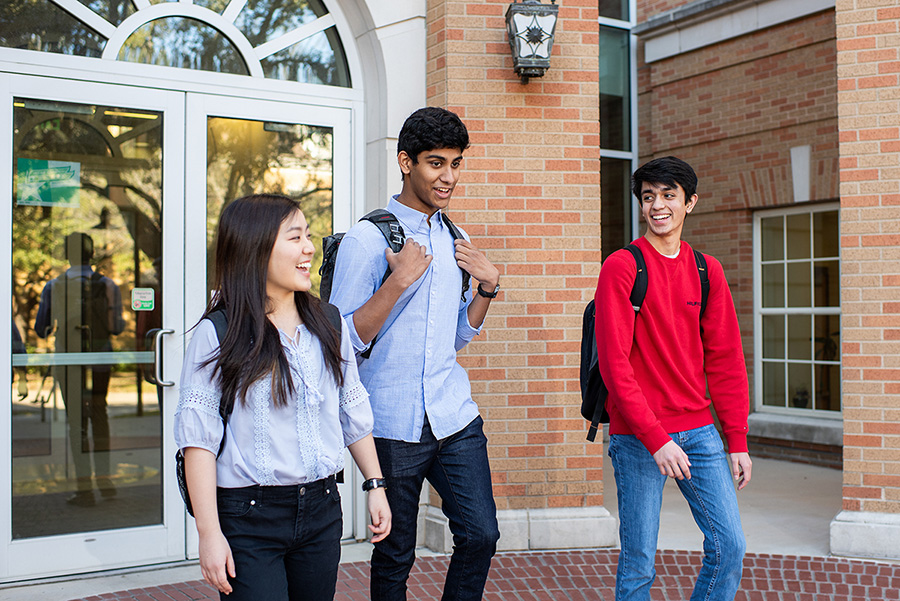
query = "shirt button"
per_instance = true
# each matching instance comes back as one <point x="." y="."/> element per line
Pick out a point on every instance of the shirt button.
<point x="253" y="502"/>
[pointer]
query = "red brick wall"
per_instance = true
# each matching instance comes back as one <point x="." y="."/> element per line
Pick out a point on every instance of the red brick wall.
<point x="651" y="8"/>
<point x="734" y="110"/>
<point x="868" y="43"/>
<point x="530" y="195"/>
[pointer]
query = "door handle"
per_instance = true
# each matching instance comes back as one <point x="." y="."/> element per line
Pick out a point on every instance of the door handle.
<point x="157" y="357"/>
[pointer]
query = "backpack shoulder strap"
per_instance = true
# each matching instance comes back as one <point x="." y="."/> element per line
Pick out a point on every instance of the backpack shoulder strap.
<point x="639" y="290"/>
<point x="333" y="314"/>
<point x="457" y="235"/>
<point x="704" y="280"/>
<point x="220" y="322"/>
<point x="389" y="226"/>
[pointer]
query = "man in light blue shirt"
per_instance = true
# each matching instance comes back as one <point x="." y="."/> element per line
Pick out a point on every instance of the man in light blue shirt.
<point x="427" y="426"/>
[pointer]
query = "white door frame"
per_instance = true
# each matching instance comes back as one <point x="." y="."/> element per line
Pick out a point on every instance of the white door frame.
<point x="70" y="553"/>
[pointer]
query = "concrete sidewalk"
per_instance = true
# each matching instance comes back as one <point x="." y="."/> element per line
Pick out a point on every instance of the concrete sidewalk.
<point x="786" y="512"/>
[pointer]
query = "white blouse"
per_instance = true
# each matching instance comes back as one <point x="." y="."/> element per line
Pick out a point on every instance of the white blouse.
<point x="267" y="445"/>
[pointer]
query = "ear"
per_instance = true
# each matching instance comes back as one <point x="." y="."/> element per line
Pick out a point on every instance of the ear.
<point x="691" y="203"/>
<point x="405" y="162"/>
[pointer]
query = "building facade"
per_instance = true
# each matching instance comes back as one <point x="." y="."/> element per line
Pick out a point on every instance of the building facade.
<point x="134" y="122"/>
<point x="788" y="110"/>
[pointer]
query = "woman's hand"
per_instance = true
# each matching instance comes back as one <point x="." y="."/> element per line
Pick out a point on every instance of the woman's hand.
<point x="380" y="512"/>
<point x="216" y="561"/>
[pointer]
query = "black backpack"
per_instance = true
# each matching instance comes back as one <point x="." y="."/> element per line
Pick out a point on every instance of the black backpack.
<point x="221" y="324"/>
<point x="593" y="390"/>
<point x="393" y="233"/>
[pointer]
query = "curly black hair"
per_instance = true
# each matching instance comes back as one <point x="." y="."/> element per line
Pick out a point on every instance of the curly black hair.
<point x="430" y="128"/>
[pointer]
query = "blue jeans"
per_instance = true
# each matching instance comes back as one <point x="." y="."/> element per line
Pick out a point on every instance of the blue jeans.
<point x="286" y="540"/>
<point x="713" y="502"/>
<point x="457" y="467"/>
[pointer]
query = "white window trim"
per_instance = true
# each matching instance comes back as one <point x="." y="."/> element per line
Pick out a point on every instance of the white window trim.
<point x="758" y="310"/>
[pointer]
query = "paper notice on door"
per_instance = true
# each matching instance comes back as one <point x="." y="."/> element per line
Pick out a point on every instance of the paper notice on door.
<point x="48" y="183"/>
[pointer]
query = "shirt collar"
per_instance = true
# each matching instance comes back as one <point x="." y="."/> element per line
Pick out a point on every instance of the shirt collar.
<point x="412" y="219"/>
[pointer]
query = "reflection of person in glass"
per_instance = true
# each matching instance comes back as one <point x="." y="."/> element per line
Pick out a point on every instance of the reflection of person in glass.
<point x="84" y="309"/>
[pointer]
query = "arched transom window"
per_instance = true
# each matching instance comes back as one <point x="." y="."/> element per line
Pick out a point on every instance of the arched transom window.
<point x="293" y="40"/>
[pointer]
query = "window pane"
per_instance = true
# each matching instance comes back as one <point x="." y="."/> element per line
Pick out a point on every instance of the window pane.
<point x="182" y="43"/>
<point x="615" y="89"/>
<point x="772" y="229"/>
<point x="614" y="9"/>
<point x="312" y="60"/>
<point x="828" y="337"/>
<point x="256" y="157"/>
<point x="827" y="280"/>
<point x="799" y="285"/>
<point x="828" y="387"/>
<point x="773" y="384"/>
<point x="799" y="337"/>
<point x="615" y="205"/>
<point x="45" y="27"/>
<point x="773" y="285"/>
<point x="114" y="11"/>
<point x="825" y="234"/>
<point x="264" y="20"/>
<point x="773" y="336"/>
<point x="86" y="232"/>
<point x="798" y="236"/>
<point x="800" y="385"/>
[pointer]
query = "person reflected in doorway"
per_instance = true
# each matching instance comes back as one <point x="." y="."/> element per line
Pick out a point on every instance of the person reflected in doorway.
<point x="83" y="309"/>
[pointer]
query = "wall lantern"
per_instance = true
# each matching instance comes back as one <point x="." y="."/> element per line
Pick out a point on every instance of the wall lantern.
<point x="531" y="26"/>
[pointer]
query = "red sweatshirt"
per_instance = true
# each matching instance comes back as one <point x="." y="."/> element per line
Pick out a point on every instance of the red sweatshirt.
<point x="656" y="365"/>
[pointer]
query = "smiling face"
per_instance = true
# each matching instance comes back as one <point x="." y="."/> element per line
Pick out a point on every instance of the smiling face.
<point x="428" y="182"/>
<point x="664" y="208"/>
<point x="290" y="259"/>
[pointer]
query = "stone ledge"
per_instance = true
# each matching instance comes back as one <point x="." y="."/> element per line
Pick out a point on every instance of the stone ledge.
<point x="535" y="529"/>
<point x="866" y="534"/>
<point x="814" y="430"/>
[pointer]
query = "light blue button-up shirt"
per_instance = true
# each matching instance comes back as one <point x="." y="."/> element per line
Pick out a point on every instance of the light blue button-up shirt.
<point x="412" y="371"/>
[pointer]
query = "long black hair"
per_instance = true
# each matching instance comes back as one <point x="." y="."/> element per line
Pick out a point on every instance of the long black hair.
<point x="252" y="346"/>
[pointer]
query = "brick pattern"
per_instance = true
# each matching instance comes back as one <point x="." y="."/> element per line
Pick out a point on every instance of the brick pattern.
<point x="734" y="110"/>
<point x="868" y="44"/>
<point x="650" y="8"/>
<point x="590" y="576"/>
<point x="530" y="196"/>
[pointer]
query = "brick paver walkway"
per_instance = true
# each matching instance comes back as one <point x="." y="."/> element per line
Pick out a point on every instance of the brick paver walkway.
<point x="590" y="576"/>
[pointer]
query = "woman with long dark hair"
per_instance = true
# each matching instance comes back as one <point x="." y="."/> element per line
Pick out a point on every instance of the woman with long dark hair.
<point x="262" y="484"/>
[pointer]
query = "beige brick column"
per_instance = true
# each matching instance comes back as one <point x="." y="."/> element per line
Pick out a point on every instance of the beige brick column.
<point x="868" y="43"/>
<point x="530" y="196"/>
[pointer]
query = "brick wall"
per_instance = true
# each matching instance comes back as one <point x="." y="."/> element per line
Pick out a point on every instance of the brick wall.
<point x="868" y="43"/>
<point x="530" y="196"/>
<point x="734" y="110"/>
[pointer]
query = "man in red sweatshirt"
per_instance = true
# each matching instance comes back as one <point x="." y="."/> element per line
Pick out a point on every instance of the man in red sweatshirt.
<point x="658" y="364"/>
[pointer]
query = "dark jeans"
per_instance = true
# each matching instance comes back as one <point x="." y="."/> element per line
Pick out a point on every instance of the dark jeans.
<point x="286" y="540"/>
<point x="457" y="467"/>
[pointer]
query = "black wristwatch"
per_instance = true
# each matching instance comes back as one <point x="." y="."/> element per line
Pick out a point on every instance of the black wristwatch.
<point x="488" y="294"/>
<point x="373" y="483"/>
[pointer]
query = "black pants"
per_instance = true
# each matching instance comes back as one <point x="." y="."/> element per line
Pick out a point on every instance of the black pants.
<point x="286" y="540"/>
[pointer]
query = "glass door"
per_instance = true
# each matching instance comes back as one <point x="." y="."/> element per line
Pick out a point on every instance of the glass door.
<point x="96" y="293"/>
<point x="253" y="146"/>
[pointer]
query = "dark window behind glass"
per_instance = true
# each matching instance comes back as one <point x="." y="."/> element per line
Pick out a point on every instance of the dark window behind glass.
<point x="615" y="205"/>
<point x="614" y="9"/>
<point x="615" y="89"/>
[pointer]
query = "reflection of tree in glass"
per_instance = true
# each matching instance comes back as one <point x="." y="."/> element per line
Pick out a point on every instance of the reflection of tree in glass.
<point x="42" y="26"/>
<point x="118" y="204"/>
<point x="183" y="43"/>
<point x="252" y="157"/>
